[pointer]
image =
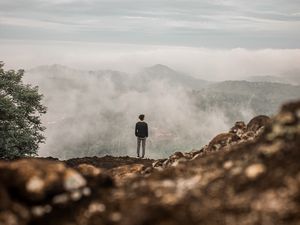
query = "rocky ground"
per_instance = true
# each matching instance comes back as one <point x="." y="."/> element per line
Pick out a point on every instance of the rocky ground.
<point x="249" y="175"/>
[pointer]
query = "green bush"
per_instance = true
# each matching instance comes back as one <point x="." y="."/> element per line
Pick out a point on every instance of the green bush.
<point x="20" y="112"/>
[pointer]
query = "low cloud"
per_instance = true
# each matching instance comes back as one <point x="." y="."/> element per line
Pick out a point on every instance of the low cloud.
<point x="89" y="115"/>
<point x="205" y="63"/>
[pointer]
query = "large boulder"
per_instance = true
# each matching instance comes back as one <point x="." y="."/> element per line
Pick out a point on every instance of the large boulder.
<point x="258" y="122"/>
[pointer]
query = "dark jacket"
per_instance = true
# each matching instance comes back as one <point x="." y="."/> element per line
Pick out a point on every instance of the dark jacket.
<point x="141" y="129"/>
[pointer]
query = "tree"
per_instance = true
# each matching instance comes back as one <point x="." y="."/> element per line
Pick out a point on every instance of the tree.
<point x="20" y="111"/>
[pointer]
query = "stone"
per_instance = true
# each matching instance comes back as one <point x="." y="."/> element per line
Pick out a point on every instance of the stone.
<point x="255" y="170"/>
<point x="73" y="180"/>
<point x="258" y="122"/>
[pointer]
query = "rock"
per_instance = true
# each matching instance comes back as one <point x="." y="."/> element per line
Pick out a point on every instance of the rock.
<point x="176" y="155"/>
<point x="239" y="128"/>
<point x="196" y="152"/>
<point x="39" y="211"/>
<point x="88" y="170"/>
<point x="270" y="149"/>
<point x="158" y="163"/>
<point x="222" y="140"/>
<point x="249" y="135"/>
<point x="95" y="176"/>
<point x="167" y="163"/>
<point x="122" y="173"/>
<point x="255" y="170"/>
<point x="286" y="118"/>
<point x="96" y="207"/>
<point x="39" y="183"/>
<point x="36" y="180"/>
<point x="228" y="164"/>
<point x="257" y="122"/>
<point x="35" y="185"/>
<point x="147" y="170"/>
<point x="61" y="199"/>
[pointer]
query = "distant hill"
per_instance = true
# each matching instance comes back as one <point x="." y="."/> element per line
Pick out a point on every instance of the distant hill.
<point x="266" y="89"/>
<point x="268" y="78"/>
<point x="293" y="76"/>
<point x="162" y="72"/>
<point x="63" y="72"/>
<point x="289" y="77"/>
<point x="122" y="81"/>
<point x="237" y="97"/>
<point x="51" y="77"/>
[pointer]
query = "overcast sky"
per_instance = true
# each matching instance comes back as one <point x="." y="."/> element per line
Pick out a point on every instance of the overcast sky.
<point x="204" y="23"/>
<point x="210" y="24"/>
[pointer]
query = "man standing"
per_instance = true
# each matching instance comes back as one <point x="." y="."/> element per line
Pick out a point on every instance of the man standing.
<point x="141" y="132"/>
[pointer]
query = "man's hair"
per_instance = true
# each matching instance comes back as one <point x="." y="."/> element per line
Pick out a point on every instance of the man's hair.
<point x="141" y="117"/>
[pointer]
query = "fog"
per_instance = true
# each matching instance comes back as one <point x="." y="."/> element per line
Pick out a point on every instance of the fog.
<point x="205" y="63"/>
<point x="92" y="114"/>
